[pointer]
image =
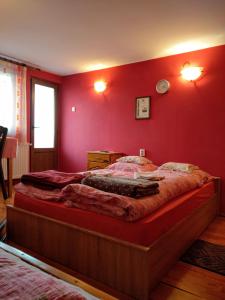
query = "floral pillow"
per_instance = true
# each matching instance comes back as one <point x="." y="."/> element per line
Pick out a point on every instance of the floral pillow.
<point x="132" y="167"/>
<point x="183" y="167"/>
<point x="140" y="160"/>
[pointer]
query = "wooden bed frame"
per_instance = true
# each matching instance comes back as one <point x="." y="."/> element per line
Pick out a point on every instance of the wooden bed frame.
<point x="130" y="269"/>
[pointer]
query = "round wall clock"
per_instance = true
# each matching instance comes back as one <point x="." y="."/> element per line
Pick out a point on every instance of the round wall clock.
<point x="162" y="86"/>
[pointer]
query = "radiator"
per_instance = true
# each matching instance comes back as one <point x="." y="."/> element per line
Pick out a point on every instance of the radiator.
<point x="20" y="163"/>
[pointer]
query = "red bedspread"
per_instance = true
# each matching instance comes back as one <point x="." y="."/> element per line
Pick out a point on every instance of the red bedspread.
<point x="20" y="280"/>
<point x="175" y="184"/>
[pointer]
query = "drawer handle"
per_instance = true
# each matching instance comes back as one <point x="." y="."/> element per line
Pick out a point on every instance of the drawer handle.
<point x="95" y="168"/>
<point x="99" y="161"/>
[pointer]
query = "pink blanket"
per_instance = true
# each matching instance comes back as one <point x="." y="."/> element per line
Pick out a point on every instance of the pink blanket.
<point x="20" y="280"/>
<point x="51" y="178"/>
<point x="175" y="184"/>
<point x="47" y="195"/>
<point x="86" y="197"/>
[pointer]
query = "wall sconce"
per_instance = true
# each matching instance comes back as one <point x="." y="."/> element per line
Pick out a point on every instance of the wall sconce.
<point x="100" y="86"/>
<point x="191" y="73"/>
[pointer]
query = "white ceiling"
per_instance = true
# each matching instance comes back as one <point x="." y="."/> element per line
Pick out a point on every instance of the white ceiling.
<point x="73" y="36"/>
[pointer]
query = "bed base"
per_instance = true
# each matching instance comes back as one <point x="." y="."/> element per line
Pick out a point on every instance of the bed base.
<point x="130" y="269"/>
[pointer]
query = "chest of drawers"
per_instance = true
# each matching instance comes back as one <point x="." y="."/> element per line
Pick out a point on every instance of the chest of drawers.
<point x="100" y="160"/>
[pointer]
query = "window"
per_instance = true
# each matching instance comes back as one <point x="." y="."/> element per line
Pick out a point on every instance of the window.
<point x="7" y="111"/>
<point x="12" y="99"/>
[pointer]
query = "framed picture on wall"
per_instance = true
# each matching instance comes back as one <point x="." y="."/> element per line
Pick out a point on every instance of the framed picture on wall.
<point x="142" y="107"/>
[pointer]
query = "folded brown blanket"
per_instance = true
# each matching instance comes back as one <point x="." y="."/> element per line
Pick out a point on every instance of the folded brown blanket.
<point x="51" y="179"/>
<point x="134" y="188"/>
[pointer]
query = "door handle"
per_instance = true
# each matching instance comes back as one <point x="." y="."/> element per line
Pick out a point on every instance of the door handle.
<point x="35" y="127"/>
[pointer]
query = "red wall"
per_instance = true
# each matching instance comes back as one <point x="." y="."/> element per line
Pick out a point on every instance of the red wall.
<point x="186" y="125"/>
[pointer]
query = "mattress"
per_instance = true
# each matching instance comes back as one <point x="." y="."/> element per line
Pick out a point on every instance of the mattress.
<point x="141" y="232"/>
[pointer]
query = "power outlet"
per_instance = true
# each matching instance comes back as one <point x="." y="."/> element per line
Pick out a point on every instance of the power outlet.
<point x="142" y="152"/>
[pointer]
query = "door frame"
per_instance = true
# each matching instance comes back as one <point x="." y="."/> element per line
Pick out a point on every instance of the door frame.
<point x="35" y="80"/>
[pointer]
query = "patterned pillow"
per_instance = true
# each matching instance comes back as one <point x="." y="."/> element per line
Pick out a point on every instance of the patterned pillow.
<point x="183" y="167"/>
<point x="131" y="167"/>
<point x="140" y="160"/>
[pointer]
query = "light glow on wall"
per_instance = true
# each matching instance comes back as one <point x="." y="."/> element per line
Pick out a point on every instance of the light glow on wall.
<point x="95" y="67"/>
<point x="187" y="47"/>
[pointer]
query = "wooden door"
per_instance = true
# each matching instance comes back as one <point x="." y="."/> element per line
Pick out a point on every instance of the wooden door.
<point x="43" y="154"/>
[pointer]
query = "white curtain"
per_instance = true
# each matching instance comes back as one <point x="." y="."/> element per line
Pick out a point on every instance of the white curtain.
<point x="13" y="99"/>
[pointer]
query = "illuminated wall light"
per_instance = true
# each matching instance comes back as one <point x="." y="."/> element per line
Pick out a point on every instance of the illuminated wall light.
<point x="100" y="86"/>
<point x="191" y="73"/>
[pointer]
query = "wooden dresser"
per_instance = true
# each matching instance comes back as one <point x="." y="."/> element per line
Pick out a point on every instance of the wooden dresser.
<point x="100" y="159"/>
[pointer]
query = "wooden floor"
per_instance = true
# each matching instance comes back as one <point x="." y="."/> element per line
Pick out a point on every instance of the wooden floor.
<point x="184" y="281"/>
<point x="188" y="282"/>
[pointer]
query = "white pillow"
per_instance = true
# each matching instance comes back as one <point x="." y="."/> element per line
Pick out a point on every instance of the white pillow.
<point x="140" y="160"/>
<point x="183" y="167"/>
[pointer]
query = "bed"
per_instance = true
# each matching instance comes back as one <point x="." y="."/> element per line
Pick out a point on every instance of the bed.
<point x="119" y="255"/>
<point x="24" y="277"/>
